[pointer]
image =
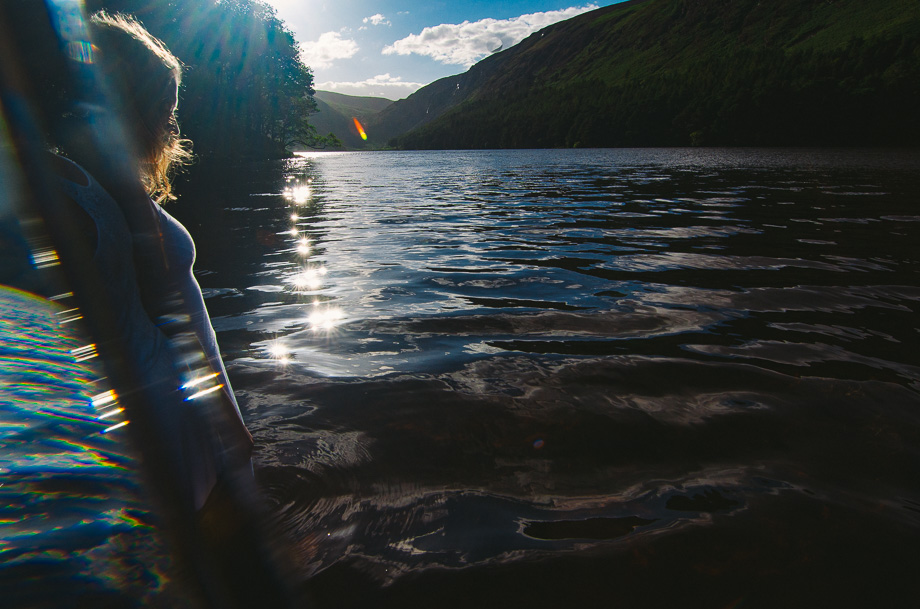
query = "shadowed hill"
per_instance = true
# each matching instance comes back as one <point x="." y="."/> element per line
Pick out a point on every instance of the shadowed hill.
<point x="353" y="105"/>
<point x="335" y="112"/>
<point x="681" y="72"/>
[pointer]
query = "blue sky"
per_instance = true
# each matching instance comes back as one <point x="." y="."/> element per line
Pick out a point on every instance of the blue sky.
<point x="392" y="48"/>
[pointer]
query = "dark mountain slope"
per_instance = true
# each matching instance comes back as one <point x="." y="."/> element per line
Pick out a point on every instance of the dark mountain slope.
<point x="489" y="75"/>
<point x="676" y="72"/>
<point x="335" y="112"/>
<point x="431" y="101"/>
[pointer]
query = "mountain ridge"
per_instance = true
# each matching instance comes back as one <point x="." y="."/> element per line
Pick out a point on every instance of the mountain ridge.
<point x="335" y="113"/>
<point x="681" y="72"/>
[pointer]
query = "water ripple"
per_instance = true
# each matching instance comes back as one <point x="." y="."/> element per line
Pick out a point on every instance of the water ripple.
<point x="580" y="359"/>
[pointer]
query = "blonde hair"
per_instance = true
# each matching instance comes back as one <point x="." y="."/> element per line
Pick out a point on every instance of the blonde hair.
<point x="145" y="76"/>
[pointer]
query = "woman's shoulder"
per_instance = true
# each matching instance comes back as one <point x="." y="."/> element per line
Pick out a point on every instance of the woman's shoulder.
<point x="81" y="187"/>
<point x="179" y="239"/>
<point x="68" y="170"/>
<point x="74" y="180"/>
<point x="78" y="184"/>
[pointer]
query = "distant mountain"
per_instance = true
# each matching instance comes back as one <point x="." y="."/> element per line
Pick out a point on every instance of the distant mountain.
<point x="336" y="114"/>
<point x="362" y="107"/>
<point x="682" y="72"/>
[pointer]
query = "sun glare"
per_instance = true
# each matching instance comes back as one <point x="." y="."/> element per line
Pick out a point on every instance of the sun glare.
<point x="299" y="194"/>
<point x="309" y="279"/>
<point x="279" y="351"/>
<point x="325" y="318"/>
<point x="310" y="275"/>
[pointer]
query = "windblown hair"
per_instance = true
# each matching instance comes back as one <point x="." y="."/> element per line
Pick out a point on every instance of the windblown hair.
<point x="144" y="76"/>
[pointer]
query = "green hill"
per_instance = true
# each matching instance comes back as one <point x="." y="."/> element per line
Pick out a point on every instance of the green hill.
<point x="353" y="105"/>
<point x="335" y="112"/>
<point x="682" y="72"/>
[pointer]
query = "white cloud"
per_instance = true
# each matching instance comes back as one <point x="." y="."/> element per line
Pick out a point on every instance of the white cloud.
<point x="328" y="48"/>
<point x="466" y="43"/>
<point x="377" y="19"/>
<point x="382" y="85"/>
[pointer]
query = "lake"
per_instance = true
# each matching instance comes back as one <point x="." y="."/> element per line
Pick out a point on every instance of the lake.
<point x="639" y="378"/>
<point x="510" y="378"/>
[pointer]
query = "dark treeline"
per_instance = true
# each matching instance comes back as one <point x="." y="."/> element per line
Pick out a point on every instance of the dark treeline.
<point x="246" y="92"/>
<point x="864" y="94"/>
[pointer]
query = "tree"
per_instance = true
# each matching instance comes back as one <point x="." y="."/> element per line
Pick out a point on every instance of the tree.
<point x="246" y="91"/>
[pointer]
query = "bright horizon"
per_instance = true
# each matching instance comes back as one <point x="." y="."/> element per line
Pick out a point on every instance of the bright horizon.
<point x="393" y="48"/>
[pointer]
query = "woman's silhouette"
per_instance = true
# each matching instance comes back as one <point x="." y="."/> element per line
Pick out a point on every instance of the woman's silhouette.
<point x="146" y="256"/>
<point x="104" y="94"/>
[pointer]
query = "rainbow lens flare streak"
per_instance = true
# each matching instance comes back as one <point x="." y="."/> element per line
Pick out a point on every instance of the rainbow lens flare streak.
<point x="69" y="493"/>
<point x="360" y="128"/>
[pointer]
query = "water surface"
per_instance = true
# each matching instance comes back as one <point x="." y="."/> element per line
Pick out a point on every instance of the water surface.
<point x="637" y="377"/>
<point x="517" y="377"/>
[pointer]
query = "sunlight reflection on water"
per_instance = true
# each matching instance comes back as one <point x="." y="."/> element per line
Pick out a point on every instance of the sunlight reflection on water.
<point x="360" y="243"/>
<point x="678" y="365"/>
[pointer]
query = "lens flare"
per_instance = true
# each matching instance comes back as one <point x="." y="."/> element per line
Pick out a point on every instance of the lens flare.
<point x="359" y="128"/>
<point x="103" y="399"/>
<point x="110" y="413"/>
<point x="116" y="426"/>
<point x="81" y="354"/>
<point x="207" y="391"/>
<point x="199" y="380"/>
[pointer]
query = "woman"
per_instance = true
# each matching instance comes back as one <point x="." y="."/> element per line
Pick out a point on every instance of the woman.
<point x="145" y="258"/>
<point x="129" y="264"/>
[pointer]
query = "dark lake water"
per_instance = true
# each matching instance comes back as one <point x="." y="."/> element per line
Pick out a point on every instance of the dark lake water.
<point x="641" y="377"/>
<point x="628" y="378"/>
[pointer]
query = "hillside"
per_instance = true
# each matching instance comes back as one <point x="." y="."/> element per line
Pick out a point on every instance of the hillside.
<point x="352" y="105"/>
<point x="682" y="72"/>
<point x="335" y="112"/>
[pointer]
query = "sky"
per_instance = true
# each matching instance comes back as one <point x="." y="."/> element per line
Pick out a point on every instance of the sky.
<point x="391" y="48"/>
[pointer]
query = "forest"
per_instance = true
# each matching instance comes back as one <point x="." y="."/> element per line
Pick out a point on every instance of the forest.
<point x="865" y="95"/>
<point x="675" y="73"/>
<point x="246" y="92"/>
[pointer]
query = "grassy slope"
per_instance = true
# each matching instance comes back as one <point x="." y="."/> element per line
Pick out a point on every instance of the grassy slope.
<point x="660" y="49"/>
<point x="640" y="39"/>
<point x="352" y="105"/>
